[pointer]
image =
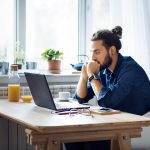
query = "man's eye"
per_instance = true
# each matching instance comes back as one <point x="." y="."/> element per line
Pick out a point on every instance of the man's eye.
<point x="97" y="53"/>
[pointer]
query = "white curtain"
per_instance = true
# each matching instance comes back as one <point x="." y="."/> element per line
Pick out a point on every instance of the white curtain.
<point x="134" y="17"/>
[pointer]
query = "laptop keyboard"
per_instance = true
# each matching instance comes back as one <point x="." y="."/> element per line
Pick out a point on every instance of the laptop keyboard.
<point x="60" y="107"/>
<point x="65" y="106"/>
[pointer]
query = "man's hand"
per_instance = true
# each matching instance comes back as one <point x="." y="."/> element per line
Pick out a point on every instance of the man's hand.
<point x="93" y="67"/>
<point x="82" y="84"/>
<point x="84" y="74"/>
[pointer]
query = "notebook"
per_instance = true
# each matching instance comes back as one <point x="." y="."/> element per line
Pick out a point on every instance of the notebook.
<point x="42" y="96"/>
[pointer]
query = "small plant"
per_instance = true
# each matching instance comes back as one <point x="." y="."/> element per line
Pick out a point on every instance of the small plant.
<point x="19" y="54"/>
<point x="51" y="54"/>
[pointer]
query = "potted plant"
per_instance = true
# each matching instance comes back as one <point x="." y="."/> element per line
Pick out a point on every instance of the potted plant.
<point x="19" y="55"/>
<point x="54" y="59"/>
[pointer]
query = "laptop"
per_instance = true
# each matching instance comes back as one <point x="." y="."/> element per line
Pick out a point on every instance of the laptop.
<point x="42" y="96"/>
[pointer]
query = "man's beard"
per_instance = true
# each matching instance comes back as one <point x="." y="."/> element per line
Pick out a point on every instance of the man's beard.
<point x="107" y="62"/>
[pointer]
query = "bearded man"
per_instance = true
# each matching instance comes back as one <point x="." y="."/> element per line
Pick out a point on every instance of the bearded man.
<point x="118" y="82"/>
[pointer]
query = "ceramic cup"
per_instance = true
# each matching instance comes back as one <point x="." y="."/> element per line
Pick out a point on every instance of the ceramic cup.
<point x="31" y="65"/>
<point x="64" y="95"/>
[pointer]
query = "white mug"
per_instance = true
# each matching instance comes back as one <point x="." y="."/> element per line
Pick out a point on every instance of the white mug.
<point x="64" y="95"/>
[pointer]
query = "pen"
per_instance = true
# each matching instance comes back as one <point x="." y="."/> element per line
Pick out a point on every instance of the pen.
<point x="67" y="112"/>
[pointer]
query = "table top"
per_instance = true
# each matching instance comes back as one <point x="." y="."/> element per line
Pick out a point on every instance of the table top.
<point x="43" y="120"/>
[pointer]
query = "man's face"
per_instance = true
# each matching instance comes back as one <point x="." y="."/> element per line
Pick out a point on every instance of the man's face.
<point x="100" y="54"/>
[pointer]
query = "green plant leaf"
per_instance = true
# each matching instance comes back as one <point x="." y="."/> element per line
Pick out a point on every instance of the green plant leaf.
<point x="51" y="54"/>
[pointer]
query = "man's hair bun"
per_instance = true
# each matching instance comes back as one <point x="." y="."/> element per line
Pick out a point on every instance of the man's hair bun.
<point x="109" y="37"/>
<point x="117" y="31"/>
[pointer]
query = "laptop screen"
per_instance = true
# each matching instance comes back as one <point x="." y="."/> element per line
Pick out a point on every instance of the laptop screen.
<point x="40" y="90"/>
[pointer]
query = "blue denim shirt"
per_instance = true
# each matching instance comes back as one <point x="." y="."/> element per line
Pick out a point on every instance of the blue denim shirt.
<point x="126" y="89"/>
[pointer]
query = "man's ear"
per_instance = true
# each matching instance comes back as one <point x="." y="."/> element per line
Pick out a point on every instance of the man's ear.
<point x="113" y="50"/>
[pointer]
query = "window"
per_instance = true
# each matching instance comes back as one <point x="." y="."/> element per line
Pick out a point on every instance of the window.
<point x="7" y="29"/>
<point x="98" y="17"/>
<point x="52" y="24"/>
<point x="66" y="25"/>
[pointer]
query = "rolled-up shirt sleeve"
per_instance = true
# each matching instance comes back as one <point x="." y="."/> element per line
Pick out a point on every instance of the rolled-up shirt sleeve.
<point x="111" y="97"/>
<point x="90" y="95"/>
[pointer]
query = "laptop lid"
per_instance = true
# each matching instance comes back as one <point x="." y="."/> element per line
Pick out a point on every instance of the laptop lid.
<point x="40" y="90"/>
<point x="42" y="96"/>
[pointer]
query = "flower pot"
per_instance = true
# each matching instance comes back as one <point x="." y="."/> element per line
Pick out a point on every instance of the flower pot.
<point x="19" y="66"/>
<point x="54" y="65"/>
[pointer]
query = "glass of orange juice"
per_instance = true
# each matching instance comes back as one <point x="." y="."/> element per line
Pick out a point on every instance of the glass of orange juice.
<point x="26" y="98"/>
<point x="13" y="92"/>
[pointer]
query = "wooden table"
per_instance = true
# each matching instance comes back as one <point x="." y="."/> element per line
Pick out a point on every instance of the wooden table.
<point x="47" y="131"/>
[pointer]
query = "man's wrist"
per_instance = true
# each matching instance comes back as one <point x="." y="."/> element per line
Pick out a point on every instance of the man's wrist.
<point x="93" y="77"/>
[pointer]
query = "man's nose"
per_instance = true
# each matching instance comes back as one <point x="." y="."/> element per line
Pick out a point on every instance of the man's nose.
<point x="93" y="57"/>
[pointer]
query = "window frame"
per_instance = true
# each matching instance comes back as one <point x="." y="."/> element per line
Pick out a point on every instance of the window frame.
<point x="21" y="22"/>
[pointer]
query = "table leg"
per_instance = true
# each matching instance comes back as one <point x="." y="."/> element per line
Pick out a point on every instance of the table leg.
<point x="114" y="145"/>
<point x="54" y="145"/>
<point x="40" y="147"/>
<point x="124" y="142"/>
